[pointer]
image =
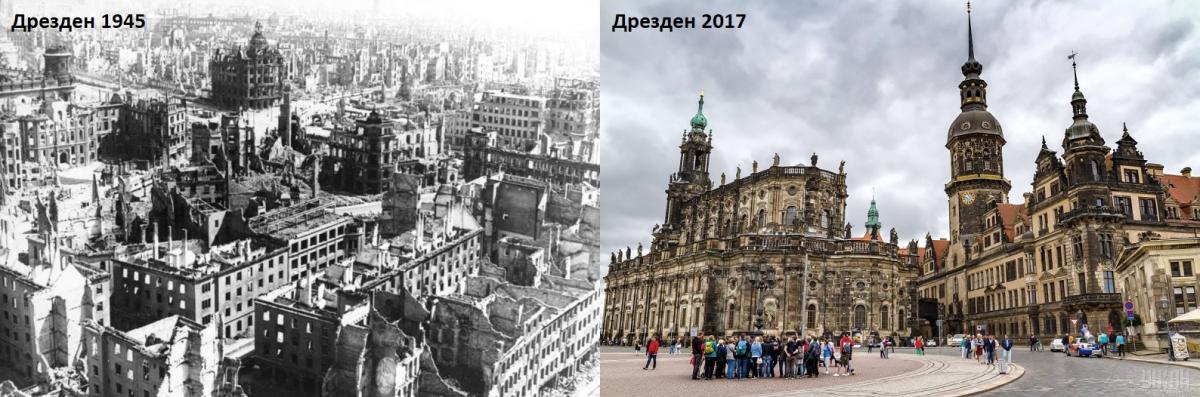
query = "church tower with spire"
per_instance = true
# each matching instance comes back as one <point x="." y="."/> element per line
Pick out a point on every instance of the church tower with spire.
<point x="692" y="178"/>
<point x="976" y="144"/>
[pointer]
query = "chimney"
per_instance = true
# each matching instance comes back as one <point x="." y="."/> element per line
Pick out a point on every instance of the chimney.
<point x="155" y="240"/>
<point x="1186" y="171"/>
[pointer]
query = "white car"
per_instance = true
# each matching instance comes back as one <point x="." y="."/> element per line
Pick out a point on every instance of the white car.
<point x="956" y="340"/>
<point x="931" y="343"/>
<point x="1056" y="345"/>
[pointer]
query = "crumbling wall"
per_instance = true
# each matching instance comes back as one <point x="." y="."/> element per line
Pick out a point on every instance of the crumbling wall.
<point x="563" y="209"/>
<point x="342" y="378"/>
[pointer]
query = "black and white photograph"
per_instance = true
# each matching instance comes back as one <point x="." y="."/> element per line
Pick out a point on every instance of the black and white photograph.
<point x="223" y="198"/>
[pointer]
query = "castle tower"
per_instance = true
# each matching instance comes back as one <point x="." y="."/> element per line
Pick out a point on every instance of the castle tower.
<point x="692" y="178"/>
<point x="976" y="144"/>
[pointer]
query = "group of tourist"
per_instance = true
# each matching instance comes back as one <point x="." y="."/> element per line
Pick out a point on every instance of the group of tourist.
<point x="746" y="357"/>
<point x="985" y="348"/>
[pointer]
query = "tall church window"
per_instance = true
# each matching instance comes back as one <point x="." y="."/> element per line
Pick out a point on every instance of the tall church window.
<point x="1106" y="245"/>
<point x="884" y="322"/>
<point x="731" y="315"/>
<point x="791" y="216"/>
<point x="825" y="219"/>
<point x="860" y="317"/>
<point x="1095" y="171"/>
<point x="901" y="320"/>
<point x="811" y="317"/>
<point x="762" y="218"/>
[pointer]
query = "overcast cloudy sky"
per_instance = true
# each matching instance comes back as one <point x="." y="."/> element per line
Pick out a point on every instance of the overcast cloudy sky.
<point x="875" y="83"/>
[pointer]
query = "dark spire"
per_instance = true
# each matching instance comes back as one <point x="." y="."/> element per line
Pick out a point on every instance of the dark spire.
<point x="1078" y="102"/>
<point x="970" y="35"/>
<point x="1044" y="147"/>
<point x="1074" y="69"/>
<point x="971" y="68"/>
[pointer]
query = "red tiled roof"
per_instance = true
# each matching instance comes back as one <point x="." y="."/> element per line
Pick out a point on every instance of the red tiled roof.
<point x="940" y="247"/>
<point x="1009" y="214"/>
<point x="1184" y="189"/>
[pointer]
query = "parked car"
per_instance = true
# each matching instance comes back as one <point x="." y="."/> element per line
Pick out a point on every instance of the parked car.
<point x="1056" y="345"/>
<point x="956" y="340"/>
<point x="1084" y="347"/>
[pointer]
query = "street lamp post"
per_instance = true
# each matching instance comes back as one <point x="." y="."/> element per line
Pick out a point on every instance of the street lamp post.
<point x="760" y="279"/>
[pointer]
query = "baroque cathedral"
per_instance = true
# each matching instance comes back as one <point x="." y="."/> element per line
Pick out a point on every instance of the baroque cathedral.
<point x="767" y="252"/>
<point x="1046" y="266"/>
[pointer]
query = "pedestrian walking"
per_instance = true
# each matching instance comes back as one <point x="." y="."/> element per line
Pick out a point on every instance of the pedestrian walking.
<point x="672" y="347"/>
<point x="883" y="351"/>
<point x="1103" y="342"/>
<point x="1121" y="345"/>
<point x="1005" y="354"/>
<point x="1033" y="342"/>
<point x="978" y="346"/>
<point x="920" y="346"/>
<point x="826" y="354"/>
<point x="846" y="349"/>
<point x="989" y="347"/>
<point x="697" y="354"/>
<point x="651" y="354"/>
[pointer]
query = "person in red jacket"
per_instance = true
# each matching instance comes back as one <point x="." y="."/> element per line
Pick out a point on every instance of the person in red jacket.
<point x="651" y="353"/>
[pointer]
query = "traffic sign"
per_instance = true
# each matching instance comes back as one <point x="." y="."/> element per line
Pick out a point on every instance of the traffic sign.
<point x="1129" y="305"/>
<point x="1129" y="310"/>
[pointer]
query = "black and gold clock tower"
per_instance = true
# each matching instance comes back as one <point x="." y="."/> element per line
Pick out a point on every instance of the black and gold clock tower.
<point x="976" y="144"/>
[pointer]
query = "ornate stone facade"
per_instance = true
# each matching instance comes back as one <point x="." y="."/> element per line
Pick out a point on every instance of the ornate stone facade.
<point x="1045" y="266"/>
<point x="785" y="223"/>
<point x="252" y="77"/>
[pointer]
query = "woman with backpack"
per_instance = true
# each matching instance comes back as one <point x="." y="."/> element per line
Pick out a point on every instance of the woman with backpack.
<point x="710" y="357"/>
<point x="743" y="357"/>
<point x="812" y="353"/>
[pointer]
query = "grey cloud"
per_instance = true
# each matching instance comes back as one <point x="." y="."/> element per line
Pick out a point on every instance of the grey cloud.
<point x="875" y="84"/>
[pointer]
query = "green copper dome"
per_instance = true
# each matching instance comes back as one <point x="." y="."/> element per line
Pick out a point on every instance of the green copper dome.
<point x="699" y="121"/>
<point x="873" y="217"/>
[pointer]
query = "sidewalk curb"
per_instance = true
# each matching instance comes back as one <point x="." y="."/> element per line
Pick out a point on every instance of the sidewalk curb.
<point x="1018" y="370"/>
<point x="1158" y="362"/>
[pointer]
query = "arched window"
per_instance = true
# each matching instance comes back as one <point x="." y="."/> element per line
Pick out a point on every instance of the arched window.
<point x="1095" y="171"/>
<point x="791" y="216"/>
<point x="825" y="219"/>
<point x="731" y="315"/>
<point x="762" y="219"/>
<point x="902" y="321"/>
<point x="883" y="318"/>
<point x="860" y="317"/>
<point x="811" y="317"/>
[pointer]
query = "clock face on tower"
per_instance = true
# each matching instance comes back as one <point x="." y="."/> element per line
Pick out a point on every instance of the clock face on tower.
<point x="968" y="198"/>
